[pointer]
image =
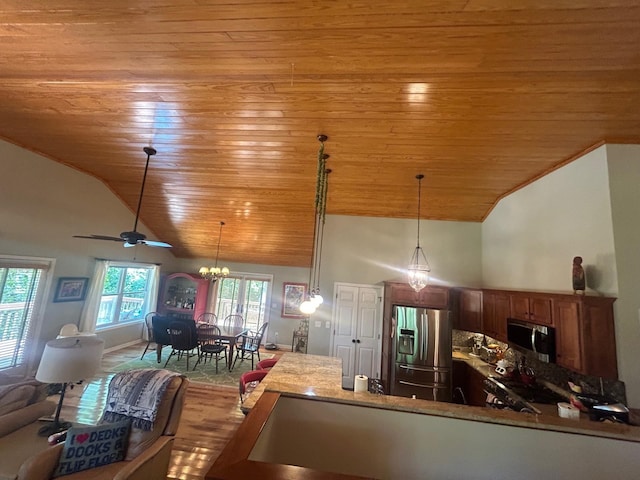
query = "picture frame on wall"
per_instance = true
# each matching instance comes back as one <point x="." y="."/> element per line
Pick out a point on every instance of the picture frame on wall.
<point x="293" y="294"/>
<point x="71" y="289"/>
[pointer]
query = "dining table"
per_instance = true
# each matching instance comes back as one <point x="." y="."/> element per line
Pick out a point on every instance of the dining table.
<point x="230" y="335"/>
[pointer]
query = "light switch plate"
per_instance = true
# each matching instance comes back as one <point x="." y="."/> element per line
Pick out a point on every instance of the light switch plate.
<point x="318" y="324"/>
<point x="327" y="324"/>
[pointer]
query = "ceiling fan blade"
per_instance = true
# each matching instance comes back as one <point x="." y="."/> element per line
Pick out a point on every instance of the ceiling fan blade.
<point x="152" y="243"/>
<point x="100" y="237"/>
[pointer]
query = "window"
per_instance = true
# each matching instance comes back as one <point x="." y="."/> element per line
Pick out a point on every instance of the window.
<point x="21" y="292"/>
<point x="125" y="293"/>
<point x="246" y="295"/>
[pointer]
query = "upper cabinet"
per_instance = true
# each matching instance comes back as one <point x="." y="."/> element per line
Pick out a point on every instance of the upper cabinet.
<point x="496" y="308"/>
<point x="531" y="307"/>
<point x="468" y="309"/>
<point x="183" y="295"/>
<point x="428" y="297"/>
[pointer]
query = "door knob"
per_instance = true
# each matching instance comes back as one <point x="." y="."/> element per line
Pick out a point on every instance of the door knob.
<point x="353" y="340"/>
<point x="358" y="340"/>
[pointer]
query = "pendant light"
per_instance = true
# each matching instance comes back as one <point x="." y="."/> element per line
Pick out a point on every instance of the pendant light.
<point x="314" y="299"/>
<point x="419" y="269"/>
<point x="214" y="273"/>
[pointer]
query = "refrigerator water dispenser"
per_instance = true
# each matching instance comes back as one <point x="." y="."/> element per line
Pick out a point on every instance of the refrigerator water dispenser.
<point x="406" y="341"/>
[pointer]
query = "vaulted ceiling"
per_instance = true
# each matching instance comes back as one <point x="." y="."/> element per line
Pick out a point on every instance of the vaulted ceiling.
<point x="481" y="96"/>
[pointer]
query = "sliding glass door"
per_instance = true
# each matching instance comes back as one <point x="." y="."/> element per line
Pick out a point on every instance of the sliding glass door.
<point x="247" y="295"/>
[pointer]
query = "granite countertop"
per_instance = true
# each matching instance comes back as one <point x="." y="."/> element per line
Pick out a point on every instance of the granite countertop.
<point x="320" y="378"/>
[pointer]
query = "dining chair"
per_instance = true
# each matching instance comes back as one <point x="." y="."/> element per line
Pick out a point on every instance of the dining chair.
<point x="234" y="320"/>
<point x="250" y="345"/>
<point x="207" y="317"/>
<point x="148" y="322"/>
<point x="209" y="344"/>
<point x="183" y="340"/>
<point x="249" y="381"/>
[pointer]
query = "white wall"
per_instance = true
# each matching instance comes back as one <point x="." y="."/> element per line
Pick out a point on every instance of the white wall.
<point x="624" y="180"/>
<point x="366" y="250"/>
<point x="42" y="205"/>
<point x="530" y="238"/>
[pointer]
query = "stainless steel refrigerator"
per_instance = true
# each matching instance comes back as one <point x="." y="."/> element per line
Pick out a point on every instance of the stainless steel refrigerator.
<point x="422" y="353"/>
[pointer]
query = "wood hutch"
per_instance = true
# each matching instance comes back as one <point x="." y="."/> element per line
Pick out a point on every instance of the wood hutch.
<point x="183" y="295"/>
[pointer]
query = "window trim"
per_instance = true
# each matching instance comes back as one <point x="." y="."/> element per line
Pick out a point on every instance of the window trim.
<point x="117" y="324"/>
<point x="35" y="344"/>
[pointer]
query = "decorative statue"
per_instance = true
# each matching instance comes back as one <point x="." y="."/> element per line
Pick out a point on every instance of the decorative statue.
<point x="578" y="276"/>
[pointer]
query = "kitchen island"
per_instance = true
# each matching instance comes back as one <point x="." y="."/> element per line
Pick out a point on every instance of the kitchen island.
<point x="309" y="427"/>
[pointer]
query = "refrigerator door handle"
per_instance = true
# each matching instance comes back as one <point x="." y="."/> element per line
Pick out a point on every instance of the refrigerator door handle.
<point x="425" y="369"/>
<point x="423" y="385"/>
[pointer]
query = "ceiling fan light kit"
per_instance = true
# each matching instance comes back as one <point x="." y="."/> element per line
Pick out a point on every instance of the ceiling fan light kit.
<point x="314" y="299"/>
<point x="418" y="270"/>
<point x="133" y="238"/>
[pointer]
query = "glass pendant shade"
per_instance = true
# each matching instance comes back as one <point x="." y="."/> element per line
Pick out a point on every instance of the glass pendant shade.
<point x="307" y="307"/>
<point x="418" y="270"/>
<point x="317" y="299"/>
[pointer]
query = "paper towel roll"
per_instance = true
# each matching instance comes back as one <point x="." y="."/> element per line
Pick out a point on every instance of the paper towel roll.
<point x="361" y="383"/>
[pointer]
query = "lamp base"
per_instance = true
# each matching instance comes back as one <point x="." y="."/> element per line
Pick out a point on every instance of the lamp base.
<point x="54" y="427"/>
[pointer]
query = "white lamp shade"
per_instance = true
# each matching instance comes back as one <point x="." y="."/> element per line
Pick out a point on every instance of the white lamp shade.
<point x="68" y="360"/>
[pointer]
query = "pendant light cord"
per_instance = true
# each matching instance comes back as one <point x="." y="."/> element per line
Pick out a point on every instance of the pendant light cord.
<point x="419" y="177"/>
<point x="219" y="240"/>
<point x="319" y="219"/>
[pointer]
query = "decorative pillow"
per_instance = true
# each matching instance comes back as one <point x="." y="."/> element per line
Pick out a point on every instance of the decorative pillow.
<point x="90" y="447"/>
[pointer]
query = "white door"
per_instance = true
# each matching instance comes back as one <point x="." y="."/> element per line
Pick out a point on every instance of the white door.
<point x="356" y="334"/>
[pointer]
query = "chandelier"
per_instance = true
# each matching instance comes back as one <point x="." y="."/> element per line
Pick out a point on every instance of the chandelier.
<point x="314" y="299"/>
<point x="419" y="269"/>
<point x="214" y="273"/>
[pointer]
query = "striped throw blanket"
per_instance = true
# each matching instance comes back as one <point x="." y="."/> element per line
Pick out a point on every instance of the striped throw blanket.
<point x="136" y="394"/>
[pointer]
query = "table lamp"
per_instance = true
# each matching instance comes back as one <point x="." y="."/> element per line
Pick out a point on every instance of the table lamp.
<point x="65" y="361"/>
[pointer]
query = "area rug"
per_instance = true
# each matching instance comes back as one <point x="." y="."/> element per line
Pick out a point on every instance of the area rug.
<point x="204" y="372"/>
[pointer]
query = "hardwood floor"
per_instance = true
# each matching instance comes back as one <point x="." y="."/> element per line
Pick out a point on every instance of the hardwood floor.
<point x="210" y="416"/>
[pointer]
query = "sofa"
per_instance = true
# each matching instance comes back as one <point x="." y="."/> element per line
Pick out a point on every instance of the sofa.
<point x="22" y="403"/>
<point x="147" y="452"/>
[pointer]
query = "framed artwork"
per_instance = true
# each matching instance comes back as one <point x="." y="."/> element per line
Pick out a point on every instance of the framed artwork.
<point x="71" y="289"/>
<point x="293" y="294"/>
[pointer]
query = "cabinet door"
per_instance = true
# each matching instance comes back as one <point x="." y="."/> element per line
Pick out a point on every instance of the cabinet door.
<point x="531" y="309"/>
<point x="569" y="335"/>
<point x="475" y="384"/>
<point x="496" y="308"/>
<point x="471" y="310"/>
<point x="520" y="307"/>
<point x="540" y="311"/>
<point x="432" y="297"/>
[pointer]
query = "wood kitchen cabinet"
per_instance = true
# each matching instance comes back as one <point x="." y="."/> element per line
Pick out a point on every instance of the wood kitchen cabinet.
<point x="468" y="309"/>
<point x="585" y="335"/>
<point x="531" y="307"/>
<point x="496" y="308"/>
<point x="428" y="297"/>
<point x="471" y="382"/>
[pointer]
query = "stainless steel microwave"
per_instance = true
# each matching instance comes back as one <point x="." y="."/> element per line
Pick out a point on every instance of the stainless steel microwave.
<point x="529" y="337"/>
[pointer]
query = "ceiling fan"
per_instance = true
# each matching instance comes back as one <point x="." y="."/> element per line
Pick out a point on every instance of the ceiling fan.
<point x="133" y="238"/>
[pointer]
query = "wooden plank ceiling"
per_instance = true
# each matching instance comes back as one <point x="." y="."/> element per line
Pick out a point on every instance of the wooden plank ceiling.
<point x="481" y="96"/>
